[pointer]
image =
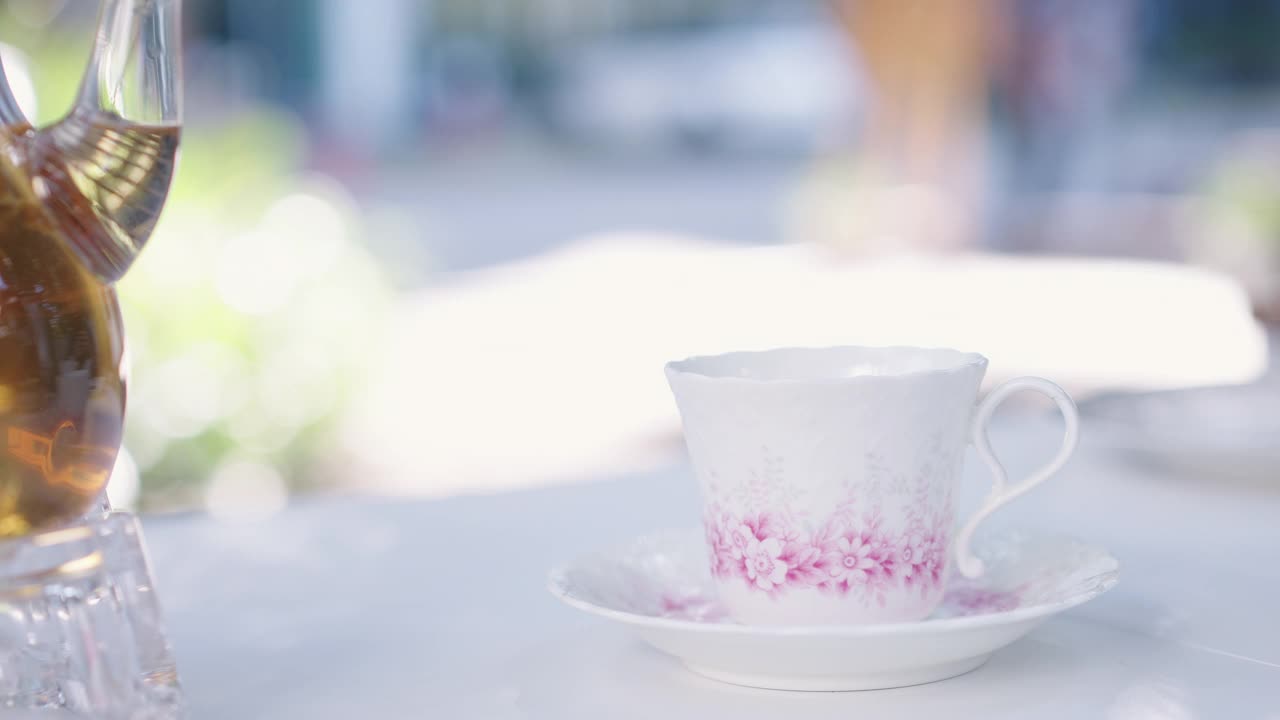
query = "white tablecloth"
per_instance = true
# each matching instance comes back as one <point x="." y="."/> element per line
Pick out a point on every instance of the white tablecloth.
<point x="345" y="607"/>
<point x="551" y="367"/>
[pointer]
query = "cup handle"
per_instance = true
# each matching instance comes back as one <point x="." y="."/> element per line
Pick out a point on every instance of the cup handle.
<point x="1002" y="492"/>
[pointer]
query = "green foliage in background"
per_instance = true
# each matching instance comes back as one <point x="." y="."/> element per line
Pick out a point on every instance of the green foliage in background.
<point x="252" y="310"/>
<point x="250" y="314"/>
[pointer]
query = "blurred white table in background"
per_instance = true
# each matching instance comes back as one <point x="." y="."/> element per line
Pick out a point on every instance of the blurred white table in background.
<point x="550" y="367"/>
<point x="341" y="608"/>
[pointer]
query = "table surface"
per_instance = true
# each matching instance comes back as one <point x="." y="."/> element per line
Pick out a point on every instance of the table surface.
<point x="351" y="607"/>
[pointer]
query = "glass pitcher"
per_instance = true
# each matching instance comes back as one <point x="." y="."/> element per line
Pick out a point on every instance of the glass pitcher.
<point x="78" y="200"/>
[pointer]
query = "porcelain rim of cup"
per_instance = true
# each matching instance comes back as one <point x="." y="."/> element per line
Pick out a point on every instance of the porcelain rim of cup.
<point x="704" y="367"/>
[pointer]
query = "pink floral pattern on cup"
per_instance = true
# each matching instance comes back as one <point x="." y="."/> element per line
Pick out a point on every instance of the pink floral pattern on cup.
<point x="846" y="555"/>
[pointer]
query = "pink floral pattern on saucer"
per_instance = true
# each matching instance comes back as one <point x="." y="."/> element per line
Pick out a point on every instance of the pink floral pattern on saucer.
<point x="960" y="602"/>
<point x="975" y="600"/>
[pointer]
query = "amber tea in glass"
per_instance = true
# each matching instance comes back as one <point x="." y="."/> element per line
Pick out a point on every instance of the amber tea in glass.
<point x="78" y="200"/>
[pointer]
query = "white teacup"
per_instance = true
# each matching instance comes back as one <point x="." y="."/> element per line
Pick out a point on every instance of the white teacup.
<point x="828" y="474"/>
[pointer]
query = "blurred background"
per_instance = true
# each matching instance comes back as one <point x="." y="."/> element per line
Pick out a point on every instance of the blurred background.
<point x="431" y="247"/>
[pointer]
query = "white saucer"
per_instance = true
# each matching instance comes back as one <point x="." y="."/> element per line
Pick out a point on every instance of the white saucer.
<point x="1213" y="432"/>
<point x="660" y="586"/>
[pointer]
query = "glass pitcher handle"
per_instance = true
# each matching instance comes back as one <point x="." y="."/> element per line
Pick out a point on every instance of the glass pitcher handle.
<point x="135" y="72"/>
